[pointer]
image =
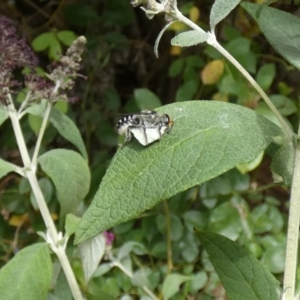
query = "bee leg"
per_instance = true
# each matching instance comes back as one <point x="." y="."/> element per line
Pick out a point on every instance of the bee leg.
<point x="128" y="136"/>
<point x="144" y="131"/>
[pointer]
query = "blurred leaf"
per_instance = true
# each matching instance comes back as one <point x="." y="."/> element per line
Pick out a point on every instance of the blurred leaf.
<point x="3" y="113"/>
<point x="42" y="41"/>
<point x="226" y="221"/>
<point x="6" y="167"/>
<point x="27" y="275"/>
<point x="234" y="265"/>
<point x="176" y="226"/>
<point x="285" y="105"/>
<point x="117" y="40"/>
<point x="266" y="75"/>
<point x="80" y="14"/>
<point x="67" y="37"/>
<point x="222" y="136"/>
<point x="282" y="164"/>
<point x="176" y="67"/>
<point x="281" y="30"/>
<point x="199" y="281"/>
<point x="70" y="175"/>
<point x="220" y="10"/>
<point x="55" y="50"/>
<point x="62" y="106"/>
<point x="112" y="97"/>
<point x="194" y="14"/>
<point x="117" y="13"/>
<point x="212" y="72"/>
<point x="274" y="259"/>
<point x="127" y="248"/>
<point x="91" y="253"/>
<point x="189" y="38"/>
<point x="186" y="91"/>
<point x="145" y="99"/>
<point x="172" y="284"/>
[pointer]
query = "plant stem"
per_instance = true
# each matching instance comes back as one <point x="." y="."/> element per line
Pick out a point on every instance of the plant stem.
<point x="291" y="256"/>
<point x="41" y="133"/>
<point x="213" y="42"/>
<point x="30" y="173"/>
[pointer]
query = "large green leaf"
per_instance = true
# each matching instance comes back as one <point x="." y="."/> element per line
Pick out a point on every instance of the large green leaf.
<point x="242" y="276"/>
<point x="207" y="139"/>
<point x="27" y="275"/>
<point x="280" y="28"/>
<point x="70" y="175"/>
<point x="64" y="125"/>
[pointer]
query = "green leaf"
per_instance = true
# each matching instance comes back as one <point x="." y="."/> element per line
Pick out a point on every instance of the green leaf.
<point x="266" y="75"/>
<point x="172" y="284"/>
<point x="189" y="38"/>
<point x="6" y="167"/>
<point x="281" y="30"/>
<point x="3" y="113"/>
<point x="220" y="10"/>
<point x="42" y="41"/>
<point x="274" y="258"/>
<point x="186" y="91"/>
<point x="71" y="224"/>
<point x="55" y="50"/>
<point x="242" y="276"/>
<point x="285" y="105"/>
<point x="70" y="175"/>
<point x="282" y="164"/>
<point x="67" y="37"/>
<point x="35" y="123"/>
<point x="176" y="67"/>
<point x="27" y="275"/>
<point x="91" y="253"/>
<point x="145" y="99"/>
<point x="208" y="138"/>
<point x="63" y="124"/>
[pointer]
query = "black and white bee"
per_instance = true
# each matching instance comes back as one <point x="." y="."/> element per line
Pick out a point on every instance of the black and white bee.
<point x="147" y="126"/>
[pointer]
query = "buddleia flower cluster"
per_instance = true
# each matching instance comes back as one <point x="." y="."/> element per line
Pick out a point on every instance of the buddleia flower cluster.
<point x="16" y="54"/>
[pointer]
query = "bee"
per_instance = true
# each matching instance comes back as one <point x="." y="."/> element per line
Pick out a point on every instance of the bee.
<point x="147" y="126"/>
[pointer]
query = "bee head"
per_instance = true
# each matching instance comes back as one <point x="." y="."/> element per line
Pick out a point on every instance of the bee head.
<point x="167" y="120"/>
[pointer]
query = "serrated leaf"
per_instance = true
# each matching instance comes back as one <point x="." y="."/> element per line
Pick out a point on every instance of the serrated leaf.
<point x="91" y="252"/>
<point x="27" y="275"/>
<point x="172" y="284"/>
<point x="67" y="37"/>
<point x="3" y="113"/>
<point x="282" y="164"/>
<point x="189" y="38"/>
<point x="6" y="167"/>
<point x="281" y="30"/>
<point x="42" y="41"/>
<point x="63" y="124"/>
<point x="70" y="175"/>
<point x="220" y="10"/>
<point x="242" y="276"/>
<point x="145" y="99"/>
<point x="208" y="138"/>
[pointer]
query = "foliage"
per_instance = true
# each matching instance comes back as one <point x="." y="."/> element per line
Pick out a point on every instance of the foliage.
<point x="195" y="215"/>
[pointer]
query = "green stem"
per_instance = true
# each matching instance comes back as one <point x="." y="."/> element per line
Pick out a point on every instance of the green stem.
<point x="214" y="43"/>
<point x="291" y="256"/>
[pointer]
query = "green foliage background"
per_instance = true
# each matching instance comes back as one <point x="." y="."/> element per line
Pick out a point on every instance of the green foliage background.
<point x="123" y="75"/>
